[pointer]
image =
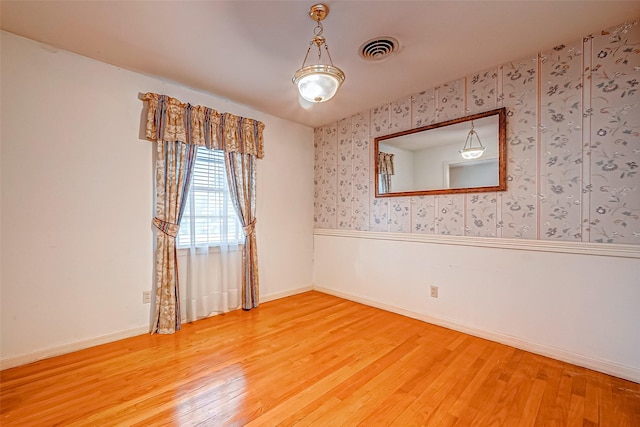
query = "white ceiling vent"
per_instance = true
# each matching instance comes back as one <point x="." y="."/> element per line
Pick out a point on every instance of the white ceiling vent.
<point x="379" y="48"/>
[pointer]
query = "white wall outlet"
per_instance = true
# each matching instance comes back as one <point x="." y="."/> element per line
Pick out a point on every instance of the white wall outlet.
<point x="434" y="291"/>
<point x="146" y="297"/>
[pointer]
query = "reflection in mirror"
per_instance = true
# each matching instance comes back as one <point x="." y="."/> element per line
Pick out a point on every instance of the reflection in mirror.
<point x="458" y="156"/>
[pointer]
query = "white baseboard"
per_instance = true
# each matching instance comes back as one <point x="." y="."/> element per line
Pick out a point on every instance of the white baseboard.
<point x="11" y="362"/>
<point x="600" y="365"/>
<point x="271" y="297"/>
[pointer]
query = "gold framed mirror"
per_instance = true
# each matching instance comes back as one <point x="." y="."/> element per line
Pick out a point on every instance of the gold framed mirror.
<point x="464" y="155"/>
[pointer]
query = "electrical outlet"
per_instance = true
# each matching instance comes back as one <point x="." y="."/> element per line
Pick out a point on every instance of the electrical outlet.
<point x="434" y="291"/>
<point x="146" y="297"/>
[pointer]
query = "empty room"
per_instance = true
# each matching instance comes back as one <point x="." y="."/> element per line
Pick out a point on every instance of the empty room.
<point x="277" y="213"/>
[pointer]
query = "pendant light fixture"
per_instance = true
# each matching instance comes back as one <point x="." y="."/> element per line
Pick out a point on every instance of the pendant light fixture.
<point x="471" y="151"/>
<point x="318" y="82"/>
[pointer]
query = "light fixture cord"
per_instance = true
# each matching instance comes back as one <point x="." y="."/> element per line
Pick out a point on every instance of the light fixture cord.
<point x="318" y="40"/>
<point x="328" y="54"/>
<point x="308" y="50"/>
<point x="469" y="141"/>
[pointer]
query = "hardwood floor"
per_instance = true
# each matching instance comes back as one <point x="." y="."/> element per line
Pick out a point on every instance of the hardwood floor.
<point x="312" y="359"/>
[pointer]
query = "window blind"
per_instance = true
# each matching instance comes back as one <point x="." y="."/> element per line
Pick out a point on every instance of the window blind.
<point x="209" y="218"/>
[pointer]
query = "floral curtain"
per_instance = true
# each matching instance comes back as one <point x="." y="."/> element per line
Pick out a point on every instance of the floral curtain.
<point x="385" y="169"/>
<point x="174" y="165"/>
<point x="178" y="129"/>
<point x="241" y="174"/>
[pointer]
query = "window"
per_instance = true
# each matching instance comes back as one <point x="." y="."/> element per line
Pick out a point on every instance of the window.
<point x="209" y="218"/>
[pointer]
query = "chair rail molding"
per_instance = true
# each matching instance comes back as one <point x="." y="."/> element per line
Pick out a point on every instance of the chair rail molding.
<point x="581" y="248"/>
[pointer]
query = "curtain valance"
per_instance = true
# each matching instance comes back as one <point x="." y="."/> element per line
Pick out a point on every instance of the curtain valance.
<point x="168" y="119"/>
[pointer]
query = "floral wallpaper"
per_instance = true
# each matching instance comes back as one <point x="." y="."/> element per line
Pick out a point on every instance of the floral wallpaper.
<point x="573" y="138"/>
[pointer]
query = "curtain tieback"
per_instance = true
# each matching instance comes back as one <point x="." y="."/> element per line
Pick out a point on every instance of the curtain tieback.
<point x="250" y="229"/>
<point x="168" y="228"/>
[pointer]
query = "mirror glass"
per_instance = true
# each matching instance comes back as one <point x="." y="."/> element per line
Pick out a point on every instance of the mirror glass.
<point x="429" y="160"/>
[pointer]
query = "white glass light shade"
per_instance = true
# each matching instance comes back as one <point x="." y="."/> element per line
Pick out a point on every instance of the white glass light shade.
<point x="468" y="150"/>
<point x="318" y="83"/>
<point x="472" y="152"/>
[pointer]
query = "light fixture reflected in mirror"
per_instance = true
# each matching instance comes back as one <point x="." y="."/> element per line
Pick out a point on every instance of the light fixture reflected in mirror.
<point x="471" y="151"/>
<point x="318" y="82"/>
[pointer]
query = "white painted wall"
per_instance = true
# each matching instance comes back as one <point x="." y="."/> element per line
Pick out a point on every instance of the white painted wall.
<point x="77" y="200"/>
<point x="431" y="163"/>
<point x="429" y="166"/>
<point x="578" y="308"/>
<point x="474" y="173"/>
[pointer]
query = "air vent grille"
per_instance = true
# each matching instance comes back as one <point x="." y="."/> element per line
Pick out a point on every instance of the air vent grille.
<point x="378" y="48"/>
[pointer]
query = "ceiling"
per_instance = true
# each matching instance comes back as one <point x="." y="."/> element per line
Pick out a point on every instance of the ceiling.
<point x="247" y="51"/>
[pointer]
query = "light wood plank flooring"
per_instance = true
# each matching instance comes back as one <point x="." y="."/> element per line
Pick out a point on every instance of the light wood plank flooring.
<point x="312" y="359"/>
